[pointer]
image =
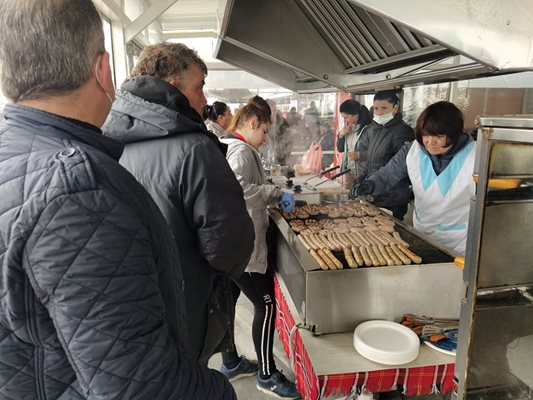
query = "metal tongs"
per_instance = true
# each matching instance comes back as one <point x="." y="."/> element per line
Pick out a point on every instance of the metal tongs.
<point x="320" y="175"/>
<point x="333" y="177"/>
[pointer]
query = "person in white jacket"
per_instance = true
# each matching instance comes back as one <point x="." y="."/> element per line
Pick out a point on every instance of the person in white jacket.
<point x="249" y="132"/>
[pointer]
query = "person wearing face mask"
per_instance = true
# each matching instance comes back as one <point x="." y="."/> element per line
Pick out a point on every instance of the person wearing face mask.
<point x="356" y="119"/>
<point x="217" y="118"/>
<point x="439" y="164"/>
<point x="385" y="135"/>
<point x="92" y="297"/>
<point x="249" y="132"/>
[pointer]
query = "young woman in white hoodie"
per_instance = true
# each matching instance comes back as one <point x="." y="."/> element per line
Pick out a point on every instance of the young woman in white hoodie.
<point x="249" y="130"/>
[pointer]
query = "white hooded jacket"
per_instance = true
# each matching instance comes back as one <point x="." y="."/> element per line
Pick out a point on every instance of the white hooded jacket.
<point x="245" y="162"/>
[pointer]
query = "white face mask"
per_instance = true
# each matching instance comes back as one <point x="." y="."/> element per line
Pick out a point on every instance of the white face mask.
<point x="383" y="119"/>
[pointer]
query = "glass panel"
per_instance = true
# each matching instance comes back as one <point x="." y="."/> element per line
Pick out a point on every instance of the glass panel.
<point x="505" y="257"/>
<point x="501" y="361"/>
<point x="512" y="160"/>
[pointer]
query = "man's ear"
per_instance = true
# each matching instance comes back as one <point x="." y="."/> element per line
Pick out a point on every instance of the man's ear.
<point x="174" y="82"/>
<point x="105" y="76"/>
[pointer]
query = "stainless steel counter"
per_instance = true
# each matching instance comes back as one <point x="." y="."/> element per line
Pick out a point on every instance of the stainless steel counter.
<point x="338" y="300"/>
<point x="335" y="353"/>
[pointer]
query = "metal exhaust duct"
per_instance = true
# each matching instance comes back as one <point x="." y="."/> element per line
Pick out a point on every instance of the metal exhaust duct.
<point x="366" y="45"/>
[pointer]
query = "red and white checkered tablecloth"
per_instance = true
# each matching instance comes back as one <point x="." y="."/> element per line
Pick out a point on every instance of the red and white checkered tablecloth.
<point x="415" y="381"/>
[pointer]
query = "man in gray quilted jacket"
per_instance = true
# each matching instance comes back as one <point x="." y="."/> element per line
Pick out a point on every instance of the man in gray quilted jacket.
<point x="91" y="287"/>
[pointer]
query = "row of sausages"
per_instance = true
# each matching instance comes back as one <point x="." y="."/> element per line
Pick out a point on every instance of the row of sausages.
<point x="337" y="239"/>
<point x="369" y="256"/>
<point x="372" y="248"/>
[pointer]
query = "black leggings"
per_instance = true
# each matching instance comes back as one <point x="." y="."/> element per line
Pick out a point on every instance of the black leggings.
<point x="259" y="288"/>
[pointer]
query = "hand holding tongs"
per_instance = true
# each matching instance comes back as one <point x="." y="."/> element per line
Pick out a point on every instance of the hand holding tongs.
<point x="320" y="175"/>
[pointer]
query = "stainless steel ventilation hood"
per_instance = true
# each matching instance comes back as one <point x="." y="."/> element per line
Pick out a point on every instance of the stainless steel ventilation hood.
<point x="367" y="45"/>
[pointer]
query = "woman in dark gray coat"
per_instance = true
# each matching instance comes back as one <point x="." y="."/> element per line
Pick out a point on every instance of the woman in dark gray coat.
<point x="380" y="141"/>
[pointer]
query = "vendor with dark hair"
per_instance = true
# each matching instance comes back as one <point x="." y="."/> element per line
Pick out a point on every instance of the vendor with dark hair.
<point x="440" y="164"/>
<point x="356" y="118"/>
<point x="217" y="118"/>
<point x="379" y="142"/>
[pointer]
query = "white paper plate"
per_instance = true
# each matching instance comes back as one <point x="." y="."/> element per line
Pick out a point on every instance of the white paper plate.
<point x="386" y="342"/>
<point x="449" y="352"/>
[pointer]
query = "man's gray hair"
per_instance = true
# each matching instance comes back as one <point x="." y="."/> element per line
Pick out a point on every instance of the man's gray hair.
<point x="47" y="47"/>
<point x="167" y="61"/>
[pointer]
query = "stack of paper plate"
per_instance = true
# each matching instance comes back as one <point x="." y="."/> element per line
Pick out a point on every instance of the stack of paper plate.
<point x="386" y="342"/>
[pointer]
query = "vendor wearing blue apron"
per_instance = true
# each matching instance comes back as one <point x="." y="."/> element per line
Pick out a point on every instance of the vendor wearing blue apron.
<point x="440" y="165"/>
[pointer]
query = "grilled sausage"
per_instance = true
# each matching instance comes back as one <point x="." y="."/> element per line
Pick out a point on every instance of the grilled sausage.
<point x="334" y="259"/>
<point x="304" y="242"/>
<point x="416" y="259"/>
<point x="393" y="255"/>
<point x="385" y="255"/>
<point x="349" y="257"/>
<point x="366" y="257"/>
<point x="327" y="260"/>
<point x="357" y="256"/>
<point x="399" y="239"/>
<point x="319" y="260"/>
<point x="406" y="260"/>
<point x="379" y="256"/>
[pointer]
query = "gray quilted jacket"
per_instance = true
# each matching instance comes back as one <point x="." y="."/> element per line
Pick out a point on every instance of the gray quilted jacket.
<point x="183" y="167"/>
<point x="91" y="289"/>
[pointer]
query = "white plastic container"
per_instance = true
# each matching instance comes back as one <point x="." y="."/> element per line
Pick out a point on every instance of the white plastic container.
<point x="386" y="342"/>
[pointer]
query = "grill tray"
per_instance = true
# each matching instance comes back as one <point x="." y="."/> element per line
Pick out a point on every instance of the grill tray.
<point x="429" y="253"/>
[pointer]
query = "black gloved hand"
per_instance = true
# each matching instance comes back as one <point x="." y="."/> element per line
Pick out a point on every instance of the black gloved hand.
<point x="362" y="189"/>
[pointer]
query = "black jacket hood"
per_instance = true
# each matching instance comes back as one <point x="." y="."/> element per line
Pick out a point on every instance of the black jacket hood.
<point x="147" y="108"/>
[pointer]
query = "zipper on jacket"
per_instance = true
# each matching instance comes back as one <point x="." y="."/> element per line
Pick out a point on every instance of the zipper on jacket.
<point x="33" y="333"/>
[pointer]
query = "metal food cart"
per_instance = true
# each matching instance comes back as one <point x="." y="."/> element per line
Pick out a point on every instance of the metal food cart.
<point x="338" y="300"/>
<point x="495" y="352"/>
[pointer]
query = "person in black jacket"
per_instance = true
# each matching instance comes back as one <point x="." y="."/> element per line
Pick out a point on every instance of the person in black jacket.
<point x="183" y="166"/>
<point x="380" y="141"/>
<point x="91" y="285"/>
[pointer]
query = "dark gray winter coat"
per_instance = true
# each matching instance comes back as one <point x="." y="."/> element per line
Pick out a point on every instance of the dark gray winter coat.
<point x="183" y="166"/>
<point x="377" y="145"/>
<point x="91" y="288"/>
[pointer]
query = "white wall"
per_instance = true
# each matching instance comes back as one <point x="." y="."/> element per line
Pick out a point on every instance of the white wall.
<point x="520" y="80"/>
